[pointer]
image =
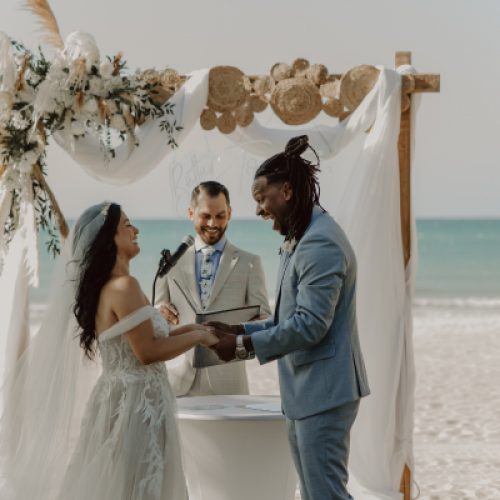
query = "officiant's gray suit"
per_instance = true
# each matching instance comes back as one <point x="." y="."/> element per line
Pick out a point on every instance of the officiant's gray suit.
<point x="314" y="337"/>
<point x="239" y="281"/>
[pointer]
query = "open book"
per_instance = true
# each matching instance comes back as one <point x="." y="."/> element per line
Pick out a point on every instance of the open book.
<point x="201" y="356"/>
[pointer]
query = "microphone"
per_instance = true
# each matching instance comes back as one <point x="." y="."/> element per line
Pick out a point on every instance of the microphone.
<point x="170" y="260"/>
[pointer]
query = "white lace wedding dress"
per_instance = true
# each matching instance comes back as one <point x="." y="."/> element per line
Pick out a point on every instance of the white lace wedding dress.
<point x="128" y="447"/>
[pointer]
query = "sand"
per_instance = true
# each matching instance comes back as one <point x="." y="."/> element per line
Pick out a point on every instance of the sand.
<point x="457" y="412"/>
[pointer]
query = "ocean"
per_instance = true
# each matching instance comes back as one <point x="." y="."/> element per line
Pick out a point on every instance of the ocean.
<point x="459" y="260"/>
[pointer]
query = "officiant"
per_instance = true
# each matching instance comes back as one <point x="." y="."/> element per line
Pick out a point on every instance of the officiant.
<point x="214" y="274"/>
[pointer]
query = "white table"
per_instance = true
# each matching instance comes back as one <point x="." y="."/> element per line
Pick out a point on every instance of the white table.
<point x="236" y="453"/>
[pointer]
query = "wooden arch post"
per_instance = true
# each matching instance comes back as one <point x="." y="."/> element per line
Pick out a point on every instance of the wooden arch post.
<point x="429" y="83"/>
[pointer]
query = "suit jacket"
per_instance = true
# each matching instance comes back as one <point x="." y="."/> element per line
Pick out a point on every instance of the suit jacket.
<point x="316" y="342"/>
<point x="240" y="281"/>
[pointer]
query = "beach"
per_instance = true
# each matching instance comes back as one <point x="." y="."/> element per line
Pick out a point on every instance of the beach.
<point x="456" y="340"/>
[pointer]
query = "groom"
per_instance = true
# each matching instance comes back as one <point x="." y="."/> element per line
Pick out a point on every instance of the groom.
<point x="313" y="333"/>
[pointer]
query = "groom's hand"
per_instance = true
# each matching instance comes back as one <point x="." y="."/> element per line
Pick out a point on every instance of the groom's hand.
<point x="226" y="348"/>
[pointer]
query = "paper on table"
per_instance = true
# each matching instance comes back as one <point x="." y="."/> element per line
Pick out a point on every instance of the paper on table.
<point x="274" y="407"/>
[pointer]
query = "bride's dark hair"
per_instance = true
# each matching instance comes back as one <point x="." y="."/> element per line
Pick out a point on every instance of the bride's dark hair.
<point x="97" y="263"/>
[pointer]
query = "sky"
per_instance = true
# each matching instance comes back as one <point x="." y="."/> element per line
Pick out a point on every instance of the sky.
<point x="456" y="168"/>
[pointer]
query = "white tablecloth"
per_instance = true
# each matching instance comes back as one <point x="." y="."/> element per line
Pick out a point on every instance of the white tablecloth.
<point x="235" y="453"/>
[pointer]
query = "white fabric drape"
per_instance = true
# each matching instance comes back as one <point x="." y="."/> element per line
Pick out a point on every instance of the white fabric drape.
<point x="189" y="103"/>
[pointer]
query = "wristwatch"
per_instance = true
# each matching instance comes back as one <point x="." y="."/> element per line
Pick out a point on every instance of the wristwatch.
<point x="241" y="352"/>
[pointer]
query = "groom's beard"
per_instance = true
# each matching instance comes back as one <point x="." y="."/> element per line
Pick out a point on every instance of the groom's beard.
<point x="211" y="239"/>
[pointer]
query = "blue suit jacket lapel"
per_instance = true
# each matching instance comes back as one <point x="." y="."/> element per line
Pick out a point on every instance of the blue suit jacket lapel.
<point x="284" y="262"/>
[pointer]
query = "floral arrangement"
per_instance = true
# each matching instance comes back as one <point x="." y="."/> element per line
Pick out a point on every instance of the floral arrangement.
<point x="76" y="94"/>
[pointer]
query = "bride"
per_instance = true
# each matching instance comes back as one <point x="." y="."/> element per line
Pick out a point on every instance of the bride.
<point x="68" y="431"/>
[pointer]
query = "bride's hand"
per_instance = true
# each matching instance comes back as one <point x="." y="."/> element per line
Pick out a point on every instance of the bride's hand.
<point x="208" y="339"/>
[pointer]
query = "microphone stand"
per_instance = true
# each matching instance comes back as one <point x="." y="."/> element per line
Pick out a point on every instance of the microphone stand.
<point x="164" y="267"/>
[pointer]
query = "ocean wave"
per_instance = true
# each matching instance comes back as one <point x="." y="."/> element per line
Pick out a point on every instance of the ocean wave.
<point x="459" y="302"/>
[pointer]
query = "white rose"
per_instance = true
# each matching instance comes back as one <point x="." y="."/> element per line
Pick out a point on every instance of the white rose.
<point x="77" y="128"/>
<point x="32" y="77"/>
<point x="90" y="107"/>
<point x="118" y="123"/>
<point x="31" y="157"/>
<point x="112" y="106"/>
<point x="106" y="69"/>
<point x="95" y="85"/>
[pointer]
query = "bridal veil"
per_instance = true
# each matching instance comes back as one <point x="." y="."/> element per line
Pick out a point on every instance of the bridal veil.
<point x="44" y="396"/>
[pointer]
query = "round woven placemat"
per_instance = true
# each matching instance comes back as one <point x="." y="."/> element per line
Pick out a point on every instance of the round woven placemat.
<point x="244" y="115"/>
<point x="356" y="84"/>
<point x="226" y="89"/>
<point x="258" y="103"/>
<point x="280" y="71"/>
<point x="208" y="119"/>
<point x="296" y="101"/>
<point x="333" y="107"/>
<point x="226" y="123"/>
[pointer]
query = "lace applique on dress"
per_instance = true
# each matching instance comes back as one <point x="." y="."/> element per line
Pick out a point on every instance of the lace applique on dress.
<point x="129" y="427"/>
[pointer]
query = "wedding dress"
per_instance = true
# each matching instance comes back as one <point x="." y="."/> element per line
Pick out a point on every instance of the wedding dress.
<point x="75" y="429"/>
<point x="128" y="447"/>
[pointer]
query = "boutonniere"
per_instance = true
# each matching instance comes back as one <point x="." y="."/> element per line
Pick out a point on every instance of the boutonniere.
<point x="289" y="245"/>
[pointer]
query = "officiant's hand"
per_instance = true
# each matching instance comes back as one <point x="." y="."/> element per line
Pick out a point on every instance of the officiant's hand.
<point x="226" y="348"/>
<point x="170" y="313"/>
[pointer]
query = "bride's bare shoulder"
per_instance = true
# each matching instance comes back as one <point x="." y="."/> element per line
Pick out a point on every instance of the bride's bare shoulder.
<point x="123" y="293"/>
<point x="127" y="284"/>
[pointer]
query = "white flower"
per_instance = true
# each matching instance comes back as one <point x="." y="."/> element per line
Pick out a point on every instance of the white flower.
<point x="90" y="107"/>
<point x="106" y="69"/>
<point x="112" y="106"/>
<point x="19" y="60"/>
<point x="31" y="157"/>
<point x="95" y="85"/>
<point x="289" y="246"/>
<point x="19" y="122"/>
<point x="118" y="123"/>
<point x="77" y="128"/>
<point x="32" y="77"/>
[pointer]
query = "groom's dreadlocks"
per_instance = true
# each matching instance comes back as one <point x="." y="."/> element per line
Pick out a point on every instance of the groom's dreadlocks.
<point x="301" y="174"/>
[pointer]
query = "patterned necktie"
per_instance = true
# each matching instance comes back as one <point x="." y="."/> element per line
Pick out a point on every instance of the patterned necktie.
<point x="206" y="275"/>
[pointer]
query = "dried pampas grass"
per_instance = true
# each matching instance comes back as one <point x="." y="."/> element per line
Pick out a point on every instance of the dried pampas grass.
<point x="47" y="21"/>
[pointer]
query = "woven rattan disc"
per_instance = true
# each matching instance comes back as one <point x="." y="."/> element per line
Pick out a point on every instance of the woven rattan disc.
<point x="280" y="71"/>
<point x="244" y="115"/>
<point x="226" y="89"/>
<point x="170" y="78"/>
<point x="263" y="85"/>
<point x="405" y="103"/>
<point x="356" y="84"/>
<point x="317" y="73"/>
<point x="296" y="101"/>
<point x="330" y="89"/>
<point x="208" y="119"/>
<point x="333" y="107"/>
<point x="151" y="76"/>
<point x="299" y="67"/>
<point x="226" y="123"/>
<point x="258" y="103"/>
<point x="407" y="84"/>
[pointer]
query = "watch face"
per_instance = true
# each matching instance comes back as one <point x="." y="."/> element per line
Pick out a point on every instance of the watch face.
<point x="241" y="353"/>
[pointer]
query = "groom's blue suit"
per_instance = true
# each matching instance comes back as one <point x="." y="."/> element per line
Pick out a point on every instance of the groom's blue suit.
<point x="313" y="335"/>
